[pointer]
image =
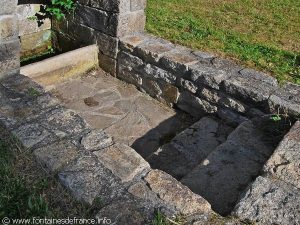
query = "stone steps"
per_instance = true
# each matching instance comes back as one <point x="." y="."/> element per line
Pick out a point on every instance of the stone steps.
<point x="225" y="172"/>
<point x="190" y="147"/>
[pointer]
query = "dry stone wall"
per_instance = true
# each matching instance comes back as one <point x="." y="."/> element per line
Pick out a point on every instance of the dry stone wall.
<point x="35" y="37"/>
<point x="200" y="83"/>
<point x="9" y="42"/>
<point x="101" y="22"/>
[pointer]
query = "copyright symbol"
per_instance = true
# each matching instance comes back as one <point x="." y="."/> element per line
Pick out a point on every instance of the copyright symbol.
<point x="5" y="221"/>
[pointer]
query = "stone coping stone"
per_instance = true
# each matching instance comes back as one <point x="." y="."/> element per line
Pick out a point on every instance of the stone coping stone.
<point x="176" y="194"/>
<point x="270" y="201"/>
<point x="55" y="156"/>
<point x="88" y="179"/>
<point x="285" y="161"/>
<point x="129" y="163"/>
<point x="96" y="140"/>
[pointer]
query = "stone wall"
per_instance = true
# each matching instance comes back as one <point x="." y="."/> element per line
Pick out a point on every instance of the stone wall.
<point x="101" y="22"/>
<point x="200" y="83"/>
<point x="35" y="38"/>
<point x="9" y="42"/>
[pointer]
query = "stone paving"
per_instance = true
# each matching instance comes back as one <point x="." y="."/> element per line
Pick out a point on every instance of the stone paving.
<point x="129" y="116"/>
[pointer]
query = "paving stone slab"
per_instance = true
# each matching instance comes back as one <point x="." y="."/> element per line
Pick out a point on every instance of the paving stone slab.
<point x="55" y="156"/>
<point x="88" y="179"/>
<point x="189" y="148"/>
<point x="227" y="171"/>
<point x="269" y="201"/>
<point x="175" y="194"/>
<point x="123" y="161"/>
<point x="285" y="161"/>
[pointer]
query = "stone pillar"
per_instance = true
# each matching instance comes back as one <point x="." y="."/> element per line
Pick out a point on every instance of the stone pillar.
<point x="9" y="41"/>
<point x="102" y="22"/>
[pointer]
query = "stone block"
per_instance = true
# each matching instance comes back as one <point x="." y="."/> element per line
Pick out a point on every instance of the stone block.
<point x="205" y="74"/>
<point x="108" y="64"/>
<point x="34" y="135"/>
<point x="251" y="86"/>
<point x="129" y="61"/>
<point x="194" y="105"/>
<point x="178" y="60"/>
<point x="129" y="76"/>
<point x="153" y="72"/>
<point x="268" y="201"/>
<point x="128" y="43"/>
<point x="136" y="5"/>
<point x="123" y="161"/>
<point x="129" y="23"/>
<point x="175" y="194"/>
<point x="151" y="87"/>
<point x="286" y="100"/>
<point x="285" y="161"/>
<point x="96" y="140"/>
<point x="63" y="122"/>
<point x="55" y="156"/>
<point x="231" y="117"/>
<point x="35" y="43"/>
<point x="9" y="57"/>
<point x="8" y="27"/>
<point x="100" y="20"/>
<point x="110" y="5"/>
<point x="88" y="179"/>
<point x="170" y="93"/>
<point x="8" y="6"/>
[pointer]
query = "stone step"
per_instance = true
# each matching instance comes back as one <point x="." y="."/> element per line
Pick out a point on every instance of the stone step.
<point x="227" y="171"/>
<point x="61" y="67"/>
<point x="190" y="147"/>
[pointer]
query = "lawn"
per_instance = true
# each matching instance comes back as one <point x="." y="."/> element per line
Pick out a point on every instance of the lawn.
<point x="262" y="34"/>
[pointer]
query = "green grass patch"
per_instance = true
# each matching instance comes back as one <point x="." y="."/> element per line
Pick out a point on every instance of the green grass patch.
<point x="262" y="34"/>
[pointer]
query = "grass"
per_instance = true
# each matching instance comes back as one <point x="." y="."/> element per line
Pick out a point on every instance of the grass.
<point x="262" y="34"/>
<point x="27" y="191"/>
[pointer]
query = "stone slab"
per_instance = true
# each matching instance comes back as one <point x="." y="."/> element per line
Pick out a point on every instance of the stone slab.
<point x="55" y="156"/>
<point x="123" y="161"/>
<point x="174" y="193"/>
<point x="269" y="201"/>
<point x="96" y="140"/>
<point x="285" y="161"/>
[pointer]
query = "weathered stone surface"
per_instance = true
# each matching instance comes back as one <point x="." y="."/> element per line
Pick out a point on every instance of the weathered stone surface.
<point x="109" y="5"/>
<point x="9" y="55"/>
<point x="8" y="27"/>
<point x="108" y="64"/>
<point x="190" y="147"/>
<point x="286" y="100"/>
<point x="129" y="42"/>
<point x="194" y="105"/>
<point x="96" y="140"/>
<point x="129" y="23"/>
<point x="285" y="162"/>
<point x="224" y="174"/>
<point x="138" y="5"/>
<point x="87" y="179"/>
<point x="142" y="191"/>
<point x="27" y="22"/>
<point x="178" y="60"/>
<point x="152" y="49"/>
<point x="170" y="93"/>
<point x="269" y="201"/>
<point x="219" y="98"/>
<point x="63" y="122"/>
<point x="174" y="193"/>
<point x="231" y="117"/>
<point x="55" y="156"/>
<point x="151" y="71"/>
<point x="128" y="61"/>
<point x="226" y="65"/>
<point x="34" y="134"/>
<point x="8" y="6"/>
<point x="251" y="85"/>
<point x="35" y="43"/>
<point x="205" y="74"/>
<point x="123" y="212"/>
<point x="123" y="161"/>
<point x="130" y="76"/>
